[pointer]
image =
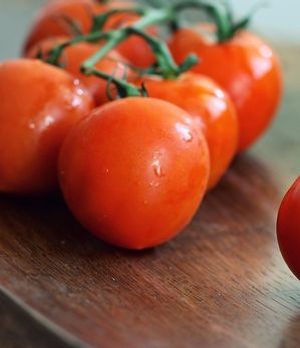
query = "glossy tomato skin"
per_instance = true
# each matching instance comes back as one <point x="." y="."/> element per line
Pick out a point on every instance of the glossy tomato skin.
<point x="211" y="109"/>
<point x="74" y="56"/>
<point x="49" y="19"/>
<point x="39" y="104"/>
<point x="246" y="68"/>
<point x="134" y="173"/>
<point x="288" y="228"/>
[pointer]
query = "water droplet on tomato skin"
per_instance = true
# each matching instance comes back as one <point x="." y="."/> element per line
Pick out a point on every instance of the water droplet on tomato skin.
<point x="158" y="171"/>
<point x="32" y="125"/>
<point x="154" y="184"/>
<point x="184" y="132"/>
<point x="188" y="137"/>
<point x="49" y="120"/>
<point x="76" y="82"/>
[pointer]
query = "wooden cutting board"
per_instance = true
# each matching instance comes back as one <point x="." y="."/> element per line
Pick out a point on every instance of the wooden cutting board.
<point x="221" y="283"/>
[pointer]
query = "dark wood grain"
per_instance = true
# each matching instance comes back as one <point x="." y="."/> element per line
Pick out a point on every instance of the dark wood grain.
<point x="22" y="327"/>
<point x="221" y="283"/>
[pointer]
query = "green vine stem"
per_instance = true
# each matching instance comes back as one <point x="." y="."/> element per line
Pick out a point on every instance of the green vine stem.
<point x="165" y="62"/>
<point x="124" y="88"/>
<point x="73" y="26"/>
<point x="222" y="15"/>
<point x="55" y="54"/>
<point x="165" y="65"/>
<point x="151" y="16"/>
<point x="220" y="12"/>
<point x="216" y="11"/>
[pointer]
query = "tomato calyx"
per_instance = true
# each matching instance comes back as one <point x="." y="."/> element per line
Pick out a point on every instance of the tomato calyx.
<point x="124" y="88"/>
<point x="222" y="16"/>
<point x="165" y="65"/>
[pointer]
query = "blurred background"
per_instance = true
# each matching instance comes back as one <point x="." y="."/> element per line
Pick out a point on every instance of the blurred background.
<point x="278" y="21"/>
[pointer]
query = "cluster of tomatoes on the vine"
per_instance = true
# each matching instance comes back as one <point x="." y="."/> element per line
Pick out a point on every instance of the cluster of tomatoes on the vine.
<point x="133" y="170"/>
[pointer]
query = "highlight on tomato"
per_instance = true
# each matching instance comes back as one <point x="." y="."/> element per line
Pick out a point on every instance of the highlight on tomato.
<point x="134" y="172"/>
<point x="243" y="64"/>
<point x="74" y="55"/>
<point x="288" y="228"/>
<point x="210" y="108"/>
<point x="39" y="104"/>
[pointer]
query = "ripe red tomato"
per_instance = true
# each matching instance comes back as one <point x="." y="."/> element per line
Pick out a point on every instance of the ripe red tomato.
<point x="74" y="56"/>
<point x="212" y="110"/>
<point x="50" y="22"/>
<point x="39" y="104"/>
<point x="134" y="172"/>
<point x="135" y="48"/>
<point x="246" y="68"/>
<point x="137" y="51"/>
<point x="288" y="228"/>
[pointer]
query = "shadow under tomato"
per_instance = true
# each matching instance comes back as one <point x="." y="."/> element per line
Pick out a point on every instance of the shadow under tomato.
<point x="47" y="222"/>
<point x="233" y="233"/>
<point x="248" y="195"/>
<point x="213" y="267"/>
<point x="248" y="190"/>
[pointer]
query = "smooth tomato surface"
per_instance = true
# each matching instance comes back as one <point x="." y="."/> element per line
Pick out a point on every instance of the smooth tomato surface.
<point x="212" y="111"/>
<point x="74" y="56"/>
<point x="39" y="104"/>
<point x="288" y="228"/>
<point x="133" y="172"/>
<point x="49" y="20"/>
<point x="246" y="68"/>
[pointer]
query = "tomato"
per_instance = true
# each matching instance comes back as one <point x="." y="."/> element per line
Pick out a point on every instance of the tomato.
<point x="50" y="19"/>
<point x="74" y="56"/>
<point x="39" y="104"/>
<point x="212" y="110"/>
<point x="134" y="172"/>
<point x="246" y="68"/>
<point x="288" y="228"/>
<point x="135" y="49"/>
<point x="49" y="23"/>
